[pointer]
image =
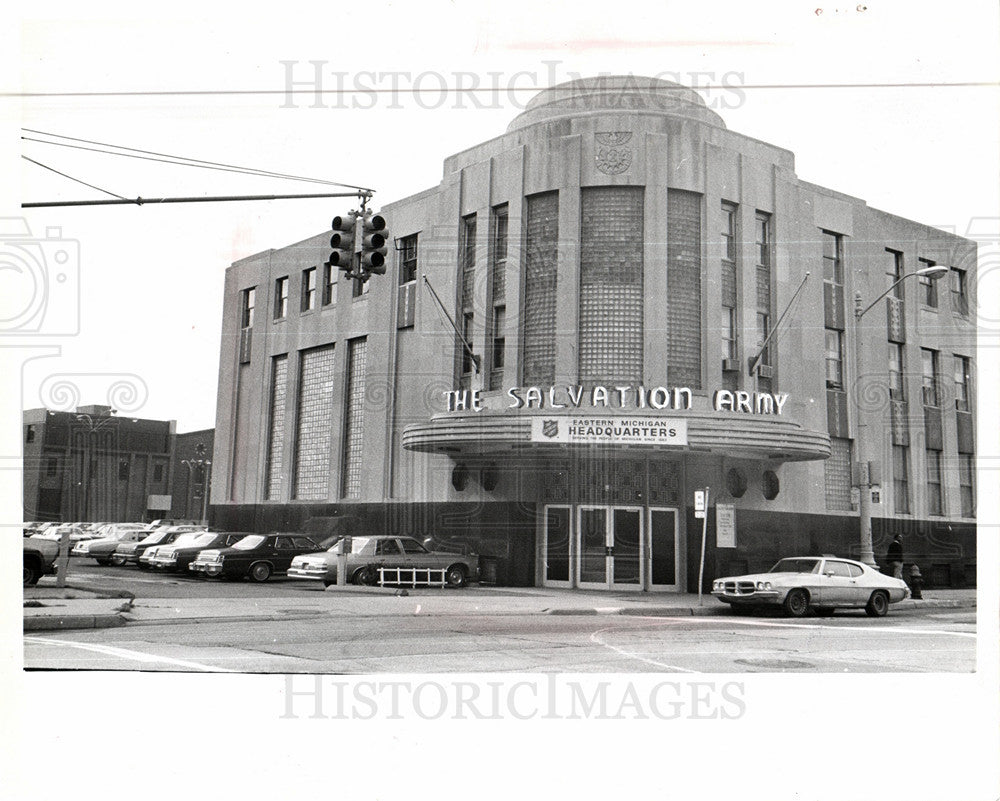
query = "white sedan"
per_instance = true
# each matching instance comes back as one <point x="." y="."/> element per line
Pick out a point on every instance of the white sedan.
<point x="821" y="583"/>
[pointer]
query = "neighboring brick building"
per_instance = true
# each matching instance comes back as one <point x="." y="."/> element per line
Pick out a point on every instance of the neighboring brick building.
<point x="618" y="261"/>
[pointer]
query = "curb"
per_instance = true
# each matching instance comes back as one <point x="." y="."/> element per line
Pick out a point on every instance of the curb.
<point x="69" y="622"/>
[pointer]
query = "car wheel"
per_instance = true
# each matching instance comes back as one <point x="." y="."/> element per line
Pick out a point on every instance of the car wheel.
<point x="260" y="571"/>
<point x="796" y="603"/>
<point x="456" y="576"/>
<point x="31" y="575"/>
<point x="824" y="611"/>
<point x="117" y="561"/>
<point x="366" y="576"/>
<point x="878" y="604"/>
<point x="103" y="561"/>
<point x="143" y="565"/>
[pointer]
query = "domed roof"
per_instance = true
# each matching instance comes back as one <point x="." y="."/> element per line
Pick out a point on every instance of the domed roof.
<point x="615" y="93"/>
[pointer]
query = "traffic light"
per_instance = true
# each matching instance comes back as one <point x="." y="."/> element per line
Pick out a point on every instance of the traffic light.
<point x="342" y="242"/>
<point x="373" y="244"/>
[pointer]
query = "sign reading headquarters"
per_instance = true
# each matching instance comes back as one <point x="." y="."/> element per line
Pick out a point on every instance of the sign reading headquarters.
<point x="622" y="301"/>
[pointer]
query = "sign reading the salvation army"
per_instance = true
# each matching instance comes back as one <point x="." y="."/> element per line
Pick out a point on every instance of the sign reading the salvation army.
<point x="631" y="430"/>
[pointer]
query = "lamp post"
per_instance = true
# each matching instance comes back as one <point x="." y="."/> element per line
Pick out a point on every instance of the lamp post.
<point x="193" y="465"/>
<point x="864" y="467"/>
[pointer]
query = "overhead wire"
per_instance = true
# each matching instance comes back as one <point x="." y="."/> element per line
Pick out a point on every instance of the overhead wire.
<point x="70" y="177"/>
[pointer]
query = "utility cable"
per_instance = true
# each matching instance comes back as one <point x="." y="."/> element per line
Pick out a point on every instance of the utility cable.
<point x="77" y="180"/>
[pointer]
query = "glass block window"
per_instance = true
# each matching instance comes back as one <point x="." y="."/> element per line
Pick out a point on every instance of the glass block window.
<point x="354" y="417"/>
<point x="246" y="312"/>
<point x="314" y="417"/>
<point x="684" y="289"/>
<point x="934" y="498"/>
<point x="308" y="289"/>
<point x="541" y="252"/>
<point x="897" y="385"/>
<point x="838" y="474"/>
<point x="611" y="281"/>
<point x="408" y="259"/>
<point x="275" y="453"/>
<point x="929" y="372"/>
<point x="962" y="383"/>
<point x="966" y="477"/>
<point x="900" y="479"/>
<point x="928" y="286"/>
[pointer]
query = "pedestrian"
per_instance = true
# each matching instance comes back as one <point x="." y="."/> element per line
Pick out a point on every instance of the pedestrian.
<point x="895" y="556"/>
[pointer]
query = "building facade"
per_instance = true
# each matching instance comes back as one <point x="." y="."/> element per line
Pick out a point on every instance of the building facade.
<point x="614" y="305"/>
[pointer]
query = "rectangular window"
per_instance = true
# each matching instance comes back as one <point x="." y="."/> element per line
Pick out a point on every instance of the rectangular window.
<point x="275" y="451"/>
<point x="728" y="333"/>
<point x="246" y="312"/>
<point x="763" y="239"/>
<point x="962" y="384"/>
<point x="900" y="479"/>
<point x="123" y="470"/>
<point x="934" y="506"/>
<point x="51" y="467"/>
<point x="329" y="284"/>
<point x="894" y="272"/>
<point x="467" y="300"/>
<point x="309" y="289"/>
<point x="928" y="286"/>
<point x="728" y="231"/>
<point x="498" y="294"/>
<point x="499" y="343"/>
<point x="29" y="433"/>
<point x="834" y="359"/>
<point x="833" y="262"/>
<point x="929" y="370"/>
<point x="897" y="385"/>
<point x="959" y="297"/>
<point x="359" y="288"/>
<point x="281" y="298"/>
<point x="313" y="430"/>
<point x="408" y="259"/>
<point x="157" y="472"/>
<point x="763" y="329"/>
<point x="966" y="477"/>
<point x="467" y="360"/>
<point x="354" y="417"/>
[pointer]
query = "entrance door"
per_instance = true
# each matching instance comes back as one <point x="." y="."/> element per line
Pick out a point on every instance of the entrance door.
<point x="662" y="550"/>
<point x="557" y="551"/>
<point x="610" y="551"/>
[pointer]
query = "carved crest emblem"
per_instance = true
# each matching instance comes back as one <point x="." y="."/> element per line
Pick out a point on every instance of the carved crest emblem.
<point x="613" y="157"/>
<point x="550" y="428"/>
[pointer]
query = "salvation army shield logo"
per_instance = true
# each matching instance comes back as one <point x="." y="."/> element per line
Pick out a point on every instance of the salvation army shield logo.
<point x="613" y="158"/>
<point x="550" y="428"/>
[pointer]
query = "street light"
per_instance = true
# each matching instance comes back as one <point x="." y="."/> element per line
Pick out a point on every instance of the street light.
<point x="864" y="467"/>
<point x="193" y="465"/>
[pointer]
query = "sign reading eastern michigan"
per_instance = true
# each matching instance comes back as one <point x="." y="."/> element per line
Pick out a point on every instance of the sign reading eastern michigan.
<point x="633" y="430"/>
<point x="622" y="397"/>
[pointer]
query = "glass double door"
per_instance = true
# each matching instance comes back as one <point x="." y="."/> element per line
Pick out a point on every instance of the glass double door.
<point x="611" y="547"/>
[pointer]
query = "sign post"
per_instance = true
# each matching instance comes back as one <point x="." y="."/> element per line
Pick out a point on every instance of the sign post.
<point x="701" y="510"/>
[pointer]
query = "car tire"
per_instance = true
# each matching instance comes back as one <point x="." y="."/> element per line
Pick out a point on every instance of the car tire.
<point x="31" y="574"/>
<point x="796" y="603"/>
<point x="878" y="604"/>
<point x="456" y="576"/>
<point x="117" y="561"/>
<point x="259" y="571"/>
<point x="824" y="611"/>
<point x="143" y="565"/>
<point x="366" y="576"/>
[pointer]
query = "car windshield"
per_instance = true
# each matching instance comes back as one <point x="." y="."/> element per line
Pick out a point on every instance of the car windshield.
<point x="248" y="543"/>
<point x="205" y="538"/>
<point x="186" y="539"/>
<point x="357" y="545"/>
<point x="796" y="566"/>
<point x="154" y="538"/>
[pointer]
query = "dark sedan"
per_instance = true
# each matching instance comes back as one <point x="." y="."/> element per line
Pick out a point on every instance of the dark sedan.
<point x="179" y="555"/>
<point x="257" y="556"/>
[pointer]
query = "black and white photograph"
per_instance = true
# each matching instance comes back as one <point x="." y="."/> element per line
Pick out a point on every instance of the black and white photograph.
<point x="488" y="389"/>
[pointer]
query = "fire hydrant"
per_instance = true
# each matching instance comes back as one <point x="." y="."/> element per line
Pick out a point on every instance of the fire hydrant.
<point x="916" y="583"/>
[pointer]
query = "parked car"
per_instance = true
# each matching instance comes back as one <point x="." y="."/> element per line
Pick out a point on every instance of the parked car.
<point x="367" y="554"/>
<point x="39" y="558"/>
<point x="822" y="583"/>
<point x="258" y="556"/>
<point x="129" y="552"/>
<point x="55" y="533"/>
<point x="181" y="553"/>
<point x="102" y="549"/>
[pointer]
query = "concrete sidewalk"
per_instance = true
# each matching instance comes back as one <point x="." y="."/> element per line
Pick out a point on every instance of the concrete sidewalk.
<point x="77" y="607"/>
